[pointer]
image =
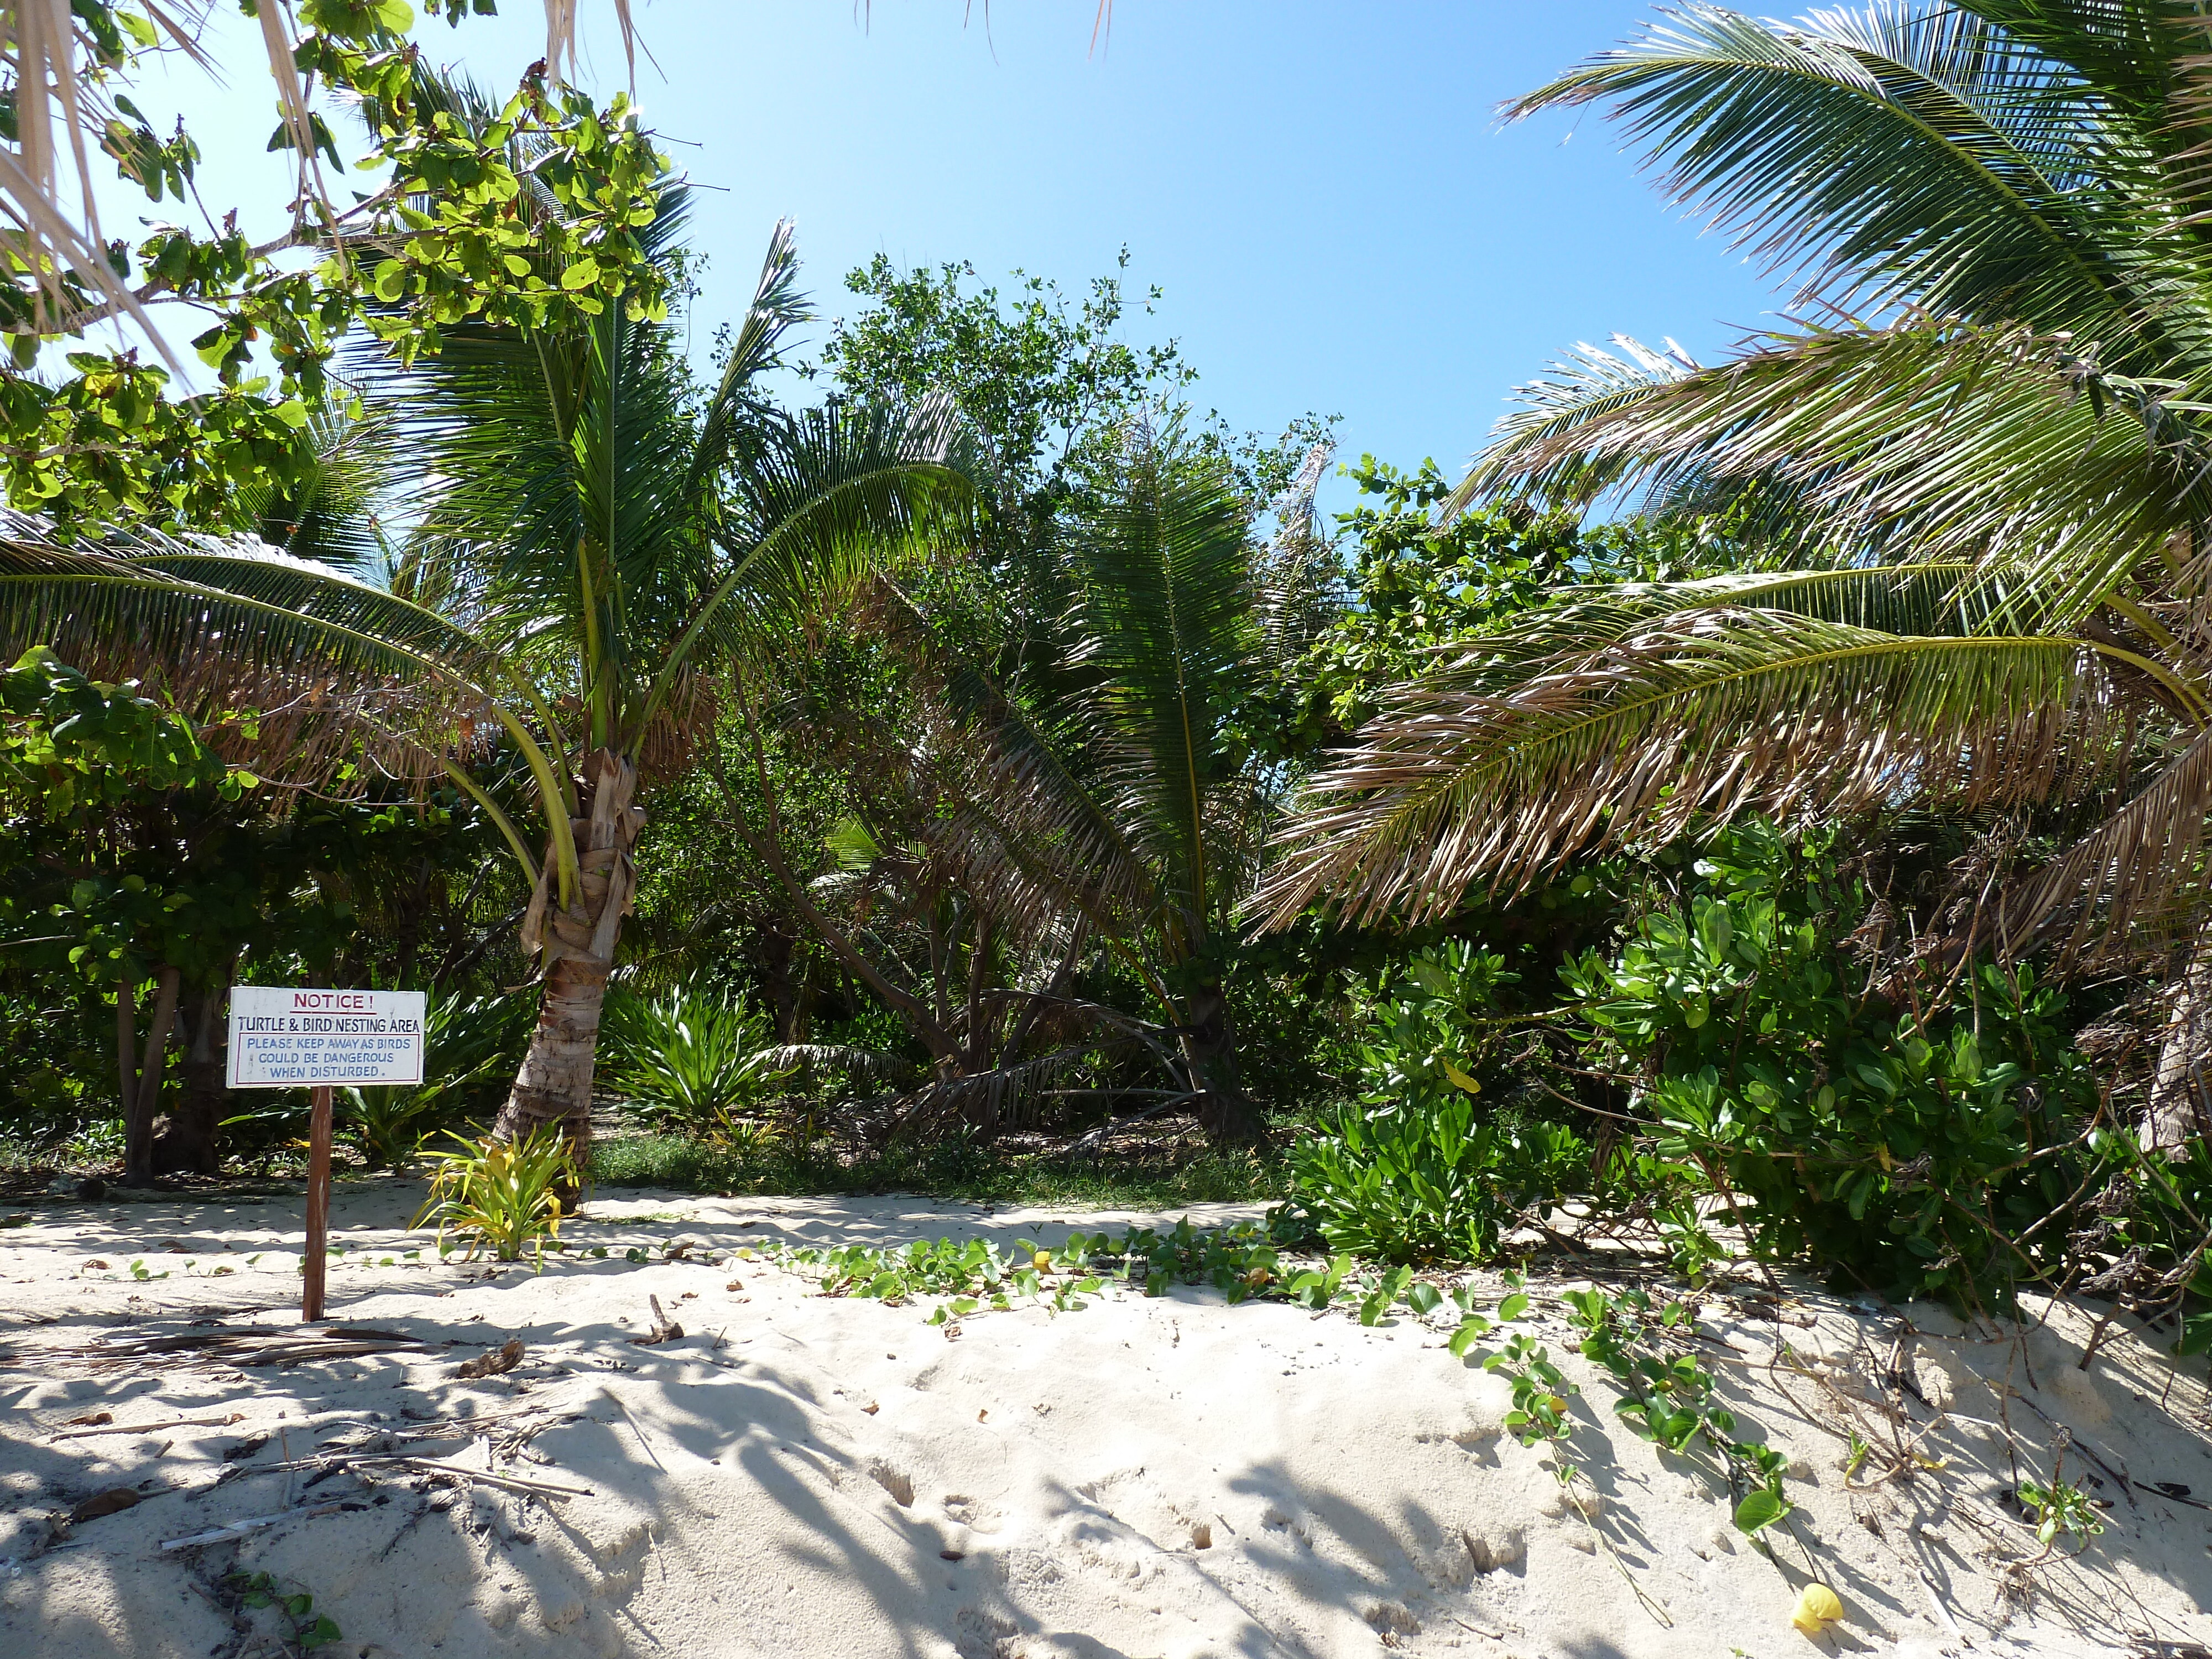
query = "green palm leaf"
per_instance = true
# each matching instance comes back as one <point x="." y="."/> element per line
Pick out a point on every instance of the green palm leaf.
<point x="1919" y="155"/>
<point x="1955" y="443"/>
<point x="330" y="517"/>
<point x="1166" y="563"/>
<point x="228" y="626"/>
<point x="826" y="498"/>
<point x="1028" y="827"/>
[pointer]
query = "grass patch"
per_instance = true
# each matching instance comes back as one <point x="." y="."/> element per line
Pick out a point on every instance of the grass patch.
<point x="959" y="1170"/>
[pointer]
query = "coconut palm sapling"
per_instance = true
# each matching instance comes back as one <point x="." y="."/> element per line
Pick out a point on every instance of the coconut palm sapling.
<point x="609" y="533"/>
<point x="593" y="535"/>
<point x="1112" y="768"/>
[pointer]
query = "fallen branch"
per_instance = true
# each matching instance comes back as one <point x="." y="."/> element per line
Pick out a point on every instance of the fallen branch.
<point x="150" y="1428"/>
<point x="236" y="1529"/>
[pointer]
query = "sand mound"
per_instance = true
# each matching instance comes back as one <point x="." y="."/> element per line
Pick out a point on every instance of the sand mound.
<point x="798" y="1475"/>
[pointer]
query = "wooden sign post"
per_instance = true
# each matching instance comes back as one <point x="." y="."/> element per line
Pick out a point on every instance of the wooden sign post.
<point x="283" y="1038"/>
<point x="319" y="1206"/>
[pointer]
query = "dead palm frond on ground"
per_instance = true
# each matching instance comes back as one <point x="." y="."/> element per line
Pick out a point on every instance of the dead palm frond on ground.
<point x="1996" y="489"/>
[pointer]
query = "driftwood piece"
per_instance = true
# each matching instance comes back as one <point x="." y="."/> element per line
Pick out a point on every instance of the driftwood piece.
<point x="665" y="1329"/>
<point x="503" y="1358"/>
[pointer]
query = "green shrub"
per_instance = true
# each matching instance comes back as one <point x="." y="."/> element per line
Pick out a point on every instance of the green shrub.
<point x="1425" y="1182"/>
<point x="501" y="1195"/>
<point x="693" y="1060"/>
<point x="1422" y="1169"/>
<point x="1894" y="1145"/>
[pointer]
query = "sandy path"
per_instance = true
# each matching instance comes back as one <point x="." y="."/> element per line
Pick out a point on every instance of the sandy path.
<point x="799" y="1475"/>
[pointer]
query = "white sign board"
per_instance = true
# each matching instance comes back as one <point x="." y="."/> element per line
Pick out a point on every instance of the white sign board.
<point x="284" y="1038"/>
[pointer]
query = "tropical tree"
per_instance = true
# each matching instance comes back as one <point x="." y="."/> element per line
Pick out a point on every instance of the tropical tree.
<point x="1106" y="786"/>
<point x="592" y="531"/>
<point x="94" y="430"/>
<point x="1989" y="459"/>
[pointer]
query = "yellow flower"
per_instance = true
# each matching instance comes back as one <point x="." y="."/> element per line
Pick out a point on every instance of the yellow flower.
<point x="1042" y="1262"/>
<point x="1817" y="1609"/>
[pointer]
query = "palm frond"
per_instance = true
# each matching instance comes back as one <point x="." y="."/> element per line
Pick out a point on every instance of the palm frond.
<point x="1900" y="153"/>
<point x="1010" y="818"/>
<point x="870" y="1064"/>
<point x="232" y="627"/>
<point x="1166" y="563"/>
<point x="1955" y="597"/>
<point x="1702" y="714"/>
<point x="996" y="1099"/>
<point x="2133" y="886"/>
<point x="1958" y="443"/>
<point x="826" y="497"/>
<point x="777" y="307"/>
<point x="330" y="517"/>
<point x="1294" y="595"/>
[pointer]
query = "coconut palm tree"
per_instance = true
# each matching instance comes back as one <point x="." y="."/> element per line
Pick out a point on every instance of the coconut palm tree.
<point x="592" y="533"/>
<point x="1989" y="457"/>
<point x="1091" y="789"/>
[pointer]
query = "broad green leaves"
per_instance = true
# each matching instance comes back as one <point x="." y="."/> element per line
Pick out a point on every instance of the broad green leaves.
<point x="522" y="217"/>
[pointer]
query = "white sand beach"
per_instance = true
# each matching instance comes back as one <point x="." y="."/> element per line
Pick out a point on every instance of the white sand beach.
<point x="803" y="1475"/>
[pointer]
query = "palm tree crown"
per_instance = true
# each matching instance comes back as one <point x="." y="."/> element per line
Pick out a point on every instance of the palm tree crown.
<point x="589" y="534"/>
<point x="1988" y="462"/>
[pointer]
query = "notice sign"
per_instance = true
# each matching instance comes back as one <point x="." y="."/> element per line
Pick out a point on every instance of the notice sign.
<point x="282" y="1038"/>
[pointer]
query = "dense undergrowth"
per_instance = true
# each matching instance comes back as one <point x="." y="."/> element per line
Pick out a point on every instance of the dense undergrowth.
<point x="959" y="1169"/>
<point x="1743" y="1074"/>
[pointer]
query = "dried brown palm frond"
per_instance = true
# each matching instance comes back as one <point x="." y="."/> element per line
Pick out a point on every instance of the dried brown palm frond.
<point x="1291" y="577"/>
<point x="1005" y="1097"/>
<point x="1702" y="713"/>
<point x="871" y="1064"/>
<point x="1022" y="815"/>
<point x="2133" y="886"/>
<point x="686" y="717"/>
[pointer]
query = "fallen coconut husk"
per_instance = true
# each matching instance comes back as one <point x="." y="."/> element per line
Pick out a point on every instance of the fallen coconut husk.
<point x="502" y="1358"/>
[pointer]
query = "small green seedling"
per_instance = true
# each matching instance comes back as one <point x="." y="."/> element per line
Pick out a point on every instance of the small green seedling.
<point x="1384" y="1297"/>
<point x="310" y="1629"/>
<point x="2062" y="1509"/>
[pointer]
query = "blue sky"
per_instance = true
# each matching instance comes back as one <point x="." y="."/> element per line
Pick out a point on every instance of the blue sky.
<point x="1323" y="189"/>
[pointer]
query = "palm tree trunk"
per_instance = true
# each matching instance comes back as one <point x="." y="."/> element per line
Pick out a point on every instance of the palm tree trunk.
<point x="555" y="1083"/>
<point x="1225" y="1112"/>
